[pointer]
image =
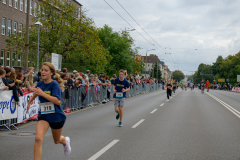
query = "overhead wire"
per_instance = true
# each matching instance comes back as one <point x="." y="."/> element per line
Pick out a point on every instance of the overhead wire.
<point x="127" y="22"/>
<point x="145" y="32"/>
<point x="137" y="31"/>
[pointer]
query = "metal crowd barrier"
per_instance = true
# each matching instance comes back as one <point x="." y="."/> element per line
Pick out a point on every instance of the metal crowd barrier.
<point x="80" y="97"/>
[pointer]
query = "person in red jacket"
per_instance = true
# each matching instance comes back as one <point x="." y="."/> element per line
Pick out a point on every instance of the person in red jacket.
<point x="207" y="85"/>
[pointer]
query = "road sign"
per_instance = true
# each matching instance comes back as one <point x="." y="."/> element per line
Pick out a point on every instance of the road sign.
<point x="238" y="78"/>
<point x="221" y="80"/>
<point x="56" y="60"/>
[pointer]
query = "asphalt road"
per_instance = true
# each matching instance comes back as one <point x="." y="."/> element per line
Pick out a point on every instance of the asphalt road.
<point x="192" y="126"/>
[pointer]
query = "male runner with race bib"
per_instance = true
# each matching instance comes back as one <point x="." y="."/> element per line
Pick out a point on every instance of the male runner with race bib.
<point x="120" y="87"/>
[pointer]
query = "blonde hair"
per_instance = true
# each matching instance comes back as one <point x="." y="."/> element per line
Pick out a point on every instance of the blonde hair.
<point x="94" y="79"/>
<point x="12" y="76"/>
<point x="18" y="83"/>
<point x="59" y="80"/>
<point x="29" y="79"/>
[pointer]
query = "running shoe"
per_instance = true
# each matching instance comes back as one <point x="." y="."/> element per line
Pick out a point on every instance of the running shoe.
<point x="167" y="100"/>
<point x="117" y="117"/>
<point x="120" y="124"/>
<point x="67" y="147"/>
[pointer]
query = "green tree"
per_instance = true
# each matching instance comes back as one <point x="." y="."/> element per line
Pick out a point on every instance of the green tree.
<point x="76" y="39"/>
<point x="119" y="46"/>
<point x="178" y="75"/>
<point x="155" y="71"/>
<point x="138" y="66"/>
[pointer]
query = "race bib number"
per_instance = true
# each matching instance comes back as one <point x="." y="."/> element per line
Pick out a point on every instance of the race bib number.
<point x="169" y="87"/>
<point x="47" y="108"/>
<point x="119" y="94"/>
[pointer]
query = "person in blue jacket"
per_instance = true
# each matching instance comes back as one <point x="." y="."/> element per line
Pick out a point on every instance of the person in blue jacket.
<point x="50" y="113"/>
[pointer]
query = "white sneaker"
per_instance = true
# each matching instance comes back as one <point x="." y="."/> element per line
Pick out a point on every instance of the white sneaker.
<point x="67" y="147"/>
<point x="167" y="100"/>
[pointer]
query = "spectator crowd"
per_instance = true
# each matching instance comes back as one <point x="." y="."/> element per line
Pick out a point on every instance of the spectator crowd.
<point x="20" y="82"/>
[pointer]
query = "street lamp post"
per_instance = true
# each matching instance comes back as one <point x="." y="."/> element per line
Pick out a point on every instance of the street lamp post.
<point x="39" y="24"/>
<point x="130" y="30"/>
<point x="146" y="62"/>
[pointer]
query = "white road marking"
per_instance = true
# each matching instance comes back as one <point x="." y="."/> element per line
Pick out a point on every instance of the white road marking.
<point x="102" y="151"/>
<point x="162" y="104"/>
<point x="231" y="109"/>
<point x="137" y="124"/>
<point x="154" y="111"/>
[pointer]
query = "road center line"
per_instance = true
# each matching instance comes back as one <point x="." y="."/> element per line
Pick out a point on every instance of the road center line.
<point x="137" y="124"/>
<point x="102" y="151"/>
<point x="154" y="111"/>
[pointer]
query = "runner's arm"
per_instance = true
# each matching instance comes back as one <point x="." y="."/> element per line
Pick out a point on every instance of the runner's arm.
<point x="127" y="89"/>
<point x="30" y="101"/>
<point x="114" y="90"/>
<point x="52" y="99"/>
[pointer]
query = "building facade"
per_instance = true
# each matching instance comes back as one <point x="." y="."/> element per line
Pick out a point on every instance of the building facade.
<point x="13" y="20"/>
<point x="149" y="64"/>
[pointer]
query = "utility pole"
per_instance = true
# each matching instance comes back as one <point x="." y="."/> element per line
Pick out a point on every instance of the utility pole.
<point x="153" y="70"/>
<point x="27" y="37"/>
<point x="146" y="66"/>
<point x="157" y="69"/>
<point x="146" y="62"/>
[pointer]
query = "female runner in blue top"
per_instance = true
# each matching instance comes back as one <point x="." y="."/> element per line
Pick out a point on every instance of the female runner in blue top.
<point x="50" y="113"/>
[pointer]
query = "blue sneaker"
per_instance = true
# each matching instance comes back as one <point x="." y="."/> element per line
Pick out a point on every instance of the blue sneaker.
<point x="120" y="124"/>
<point x="117" y="117"/>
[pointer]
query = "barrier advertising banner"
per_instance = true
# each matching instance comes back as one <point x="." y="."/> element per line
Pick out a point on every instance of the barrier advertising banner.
<point x="8" y="107"/>
<point x="33" y="111"/>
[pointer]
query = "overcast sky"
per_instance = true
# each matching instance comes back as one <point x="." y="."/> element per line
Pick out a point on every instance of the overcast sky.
<point x="192" y="31"/>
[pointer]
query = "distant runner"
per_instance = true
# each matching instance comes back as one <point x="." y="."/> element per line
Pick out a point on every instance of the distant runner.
<point x="202" y="86"/>
<point x="185" y="85"/>
<point x="191" y="86"/>
<point x="169" y="87"/>
<point x="207" y="85"/>
<point x="174" y="86"/>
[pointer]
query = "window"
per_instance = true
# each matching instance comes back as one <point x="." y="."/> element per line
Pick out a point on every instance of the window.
<point x="13" y="59"/>
<point x="35" y="9"/>
<point x="25" y="6"/>
<point x="21" y="5"/>
<point x="15" y="28"/>
<point x="79" y="12"/>
<point x="4" y="1"/>
<point x="2" y="57"/>
<point x="31" y="7"/>
<point x="19" y="60"/>
<point x="9" y="27"/>
<point x="8" y="59"/>
<point x="10" y="3"/>
<point x="3" y="26"/>
<point x="16" y="4"/>
<point x="20" y="29"/>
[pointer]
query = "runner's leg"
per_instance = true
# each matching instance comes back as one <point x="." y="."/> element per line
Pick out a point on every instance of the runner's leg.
<point x="57" y="136"/>
<point x="117" y="110"/>
<point x="168" y="93"/>
<point x="41" y="129"/>
<point x="121" y="112"/>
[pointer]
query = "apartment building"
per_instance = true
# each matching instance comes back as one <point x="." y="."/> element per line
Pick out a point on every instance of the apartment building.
<point x="13" y="20"/>
<point x="149" y="63"/>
